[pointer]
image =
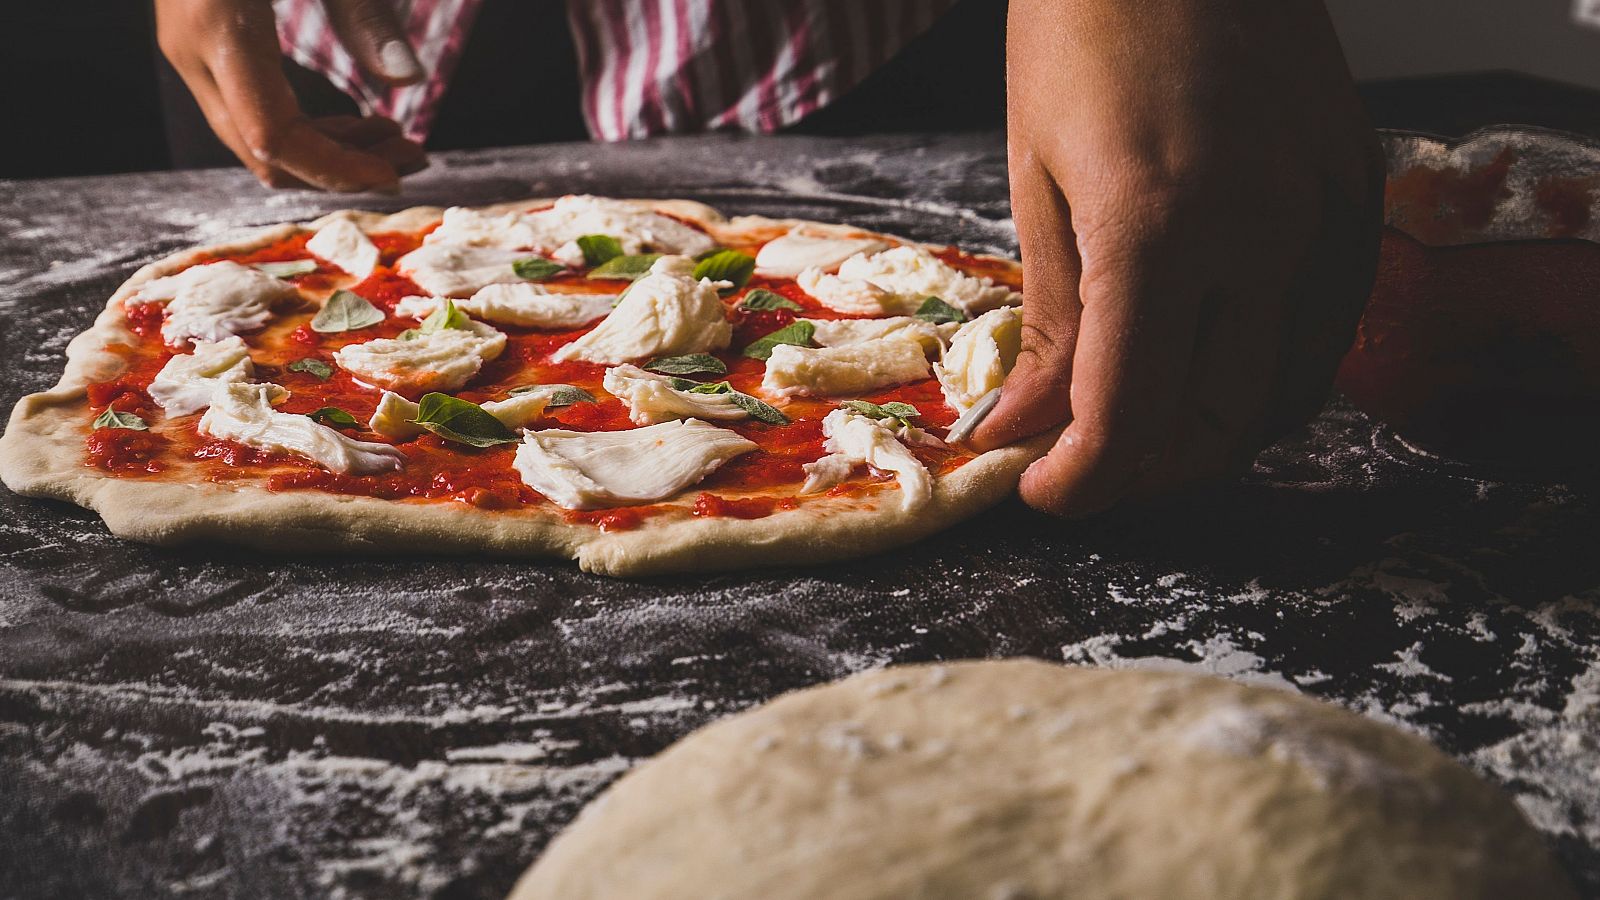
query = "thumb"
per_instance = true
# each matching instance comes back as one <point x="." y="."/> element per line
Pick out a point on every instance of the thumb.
<point x="1037" y="393"/>
<point x="370" y="30"/>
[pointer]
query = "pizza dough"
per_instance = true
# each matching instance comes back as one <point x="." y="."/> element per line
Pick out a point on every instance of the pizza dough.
<point x="42" y="452"/>
<point x="1022" y="779"/>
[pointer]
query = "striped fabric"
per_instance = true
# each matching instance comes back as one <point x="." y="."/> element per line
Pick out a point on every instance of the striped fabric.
<point x="649" y="67"/>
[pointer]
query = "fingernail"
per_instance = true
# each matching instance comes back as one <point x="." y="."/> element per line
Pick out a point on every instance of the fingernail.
<point x="399" y="62"/>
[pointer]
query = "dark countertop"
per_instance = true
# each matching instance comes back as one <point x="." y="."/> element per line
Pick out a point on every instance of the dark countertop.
<point x="209" y="722"/>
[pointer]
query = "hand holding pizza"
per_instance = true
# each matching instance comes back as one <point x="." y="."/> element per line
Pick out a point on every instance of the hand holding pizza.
<point x="1198" y="199"/>
<point x="227" y="53"/>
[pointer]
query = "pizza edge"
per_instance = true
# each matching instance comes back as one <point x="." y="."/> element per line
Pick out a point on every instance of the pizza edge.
<point x="41" y="455"/>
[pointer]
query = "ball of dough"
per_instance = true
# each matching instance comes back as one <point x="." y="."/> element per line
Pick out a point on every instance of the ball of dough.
<point x="1021" y="779"/>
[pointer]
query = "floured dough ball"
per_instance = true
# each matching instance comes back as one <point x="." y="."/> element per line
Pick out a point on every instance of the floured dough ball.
<point x="1020" y="779"/>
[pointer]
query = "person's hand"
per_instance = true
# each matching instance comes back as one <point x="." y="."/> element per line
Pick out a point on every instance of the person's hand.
<point x="1198" y="199"/>
<point x="227" y="53"/>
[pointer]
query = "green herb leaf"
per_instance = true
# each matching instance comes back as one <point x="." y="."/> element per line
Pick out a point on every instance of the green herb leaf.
<point x="287" y="269"/>
<point x="692" y="364"/>
<point x="797" y="333"/>
<point x="410" y="334"/>
<point x="345" y="311"/>
<point x="900" y="412"/>
<point x="316" y="368"/>
<point x="727" y="265"/>
<point x="560" y="394"/>
<point x="939" y="312"/>
<point x="537" y="268"/>
<point x="763" y="299"/>
<point x="599" y="248"/>
<point x="446" y="316"/>
<point x="460" y="421"/>
<point x="334" y="417"/>
<point x="758" y="410"/>
<point x="629" y="267"/>
<point x="721" y="387"/>
<point x="113" y="419"/>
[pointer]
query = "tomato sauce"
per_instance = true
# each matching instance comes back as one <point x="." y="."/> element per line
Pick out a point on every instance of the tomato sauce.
<point x="437" y="470"/>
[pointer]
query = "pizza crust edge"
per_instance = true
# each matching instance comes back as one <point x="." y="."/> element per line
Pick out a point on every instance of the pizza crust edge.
<point x="41" y="455"/>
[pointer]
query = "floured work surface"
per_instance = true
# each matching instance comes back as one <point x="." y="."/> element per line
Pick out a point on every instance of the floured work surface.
<point x="214" y="722"/>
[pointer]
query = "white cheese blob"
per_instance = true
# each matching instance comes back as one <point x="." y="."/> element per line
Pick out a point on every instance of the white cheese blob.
<point x="214" y="301"/>
<point x="525" y="305"/>
<point x="185" y="384"/>
<point x="801" y="249"/>
<point x="395" y="417"/>
<point x="592" y="470"/>
<point x="651" y="398"/>
<point x="553" y="231"/>
<point x="441" y="360"/>
<point x="244" y="413"/>
<point x="851" y="369"/>
<point x="897" y="281"/>
<point x="343" y="243"/>
<point x="979" y="357"/>
<point x="665" y="313"/>
<point x="844" y="332"/>
<point x="456" y="270"/>
<point x="854" y="440"/>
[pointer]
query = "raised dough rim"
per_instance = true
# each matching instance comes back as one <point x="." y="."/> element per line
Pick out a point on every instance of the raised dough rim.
<point x="40" y="455"/>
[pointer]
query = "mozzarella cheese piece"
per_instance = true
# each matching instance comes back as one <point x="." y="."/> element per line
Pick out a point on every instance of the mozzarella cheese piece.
<point x="441" y="360"/>
<point x="651" y="398"/>
<point x="185" y="384"/>
<point x="800" y="249"/>
<point x="214" y="301"/>
<point x="844" y="332"/>
<point x="244" y="413"/>
<point x="592" y="470"/>
<point x="897" y="281"/>
<point x="665" y="313"/>
<point x="555" y="230"/>
<point x="395" y="416"/>
<point x="854" y="440"/>
<point x="456" y="270"/>
<point x="524" y="305"/>
<point x="343" y="243"/>
<point x="979" y="357"/>
<point x="851" y="369"/>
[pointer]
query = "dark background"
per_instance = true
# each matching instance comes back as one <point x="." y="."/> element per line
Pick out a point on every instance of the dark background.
<point x="89" y="93"/>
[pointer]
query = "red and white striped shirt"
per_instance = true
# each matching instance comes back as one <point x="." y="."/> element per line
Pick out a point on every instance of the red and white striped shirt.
<point x="648" y="67"/>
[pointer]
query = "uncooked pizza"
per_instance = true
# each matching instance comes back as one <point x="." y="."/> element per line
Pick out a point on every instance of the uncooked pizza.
<point x="643" y="386"/>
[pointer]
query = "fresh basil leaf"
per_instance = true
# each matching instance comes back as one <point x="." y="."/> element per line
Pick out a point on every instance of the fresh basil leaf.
<point x="410" y="334"/>
<point x="721" y="387"/>
<point x="763" y="299"/>
<point x="682" y="384"/>
<point x="113" y="419"/>
<point x="692" y="364"/>
<point x="316" y="368"/>
<point x="865" y="408"/>
<point x="899" y="410"/>
<point x="599" y="248"/>
<point x="758" y="410"/>
<point x="629" y="267"/>
<point x="287" y="269"/>
<point x="797" y="333"/>
<point x="560" y="394"/>
<point x="537" y="268"/>
<point x="334" y="417"/>
<point x="461" y="421"/>
<point x="727" y="265"/>
<point x="446" y="316"/>
<point x="345" y="311"/>
<point x="939" y="312"/>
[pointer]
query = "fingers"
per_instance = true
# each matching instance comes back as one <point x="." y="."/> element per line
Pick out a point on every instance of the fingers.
<point x="267" y="117"/>
<point x="369" y="30"/>
<point x="378" y="136"/>
<point x="1037" y="393"/>
<point x="1134" y="349"/>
